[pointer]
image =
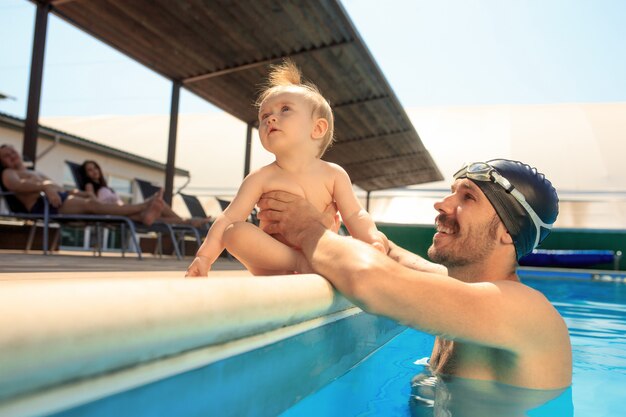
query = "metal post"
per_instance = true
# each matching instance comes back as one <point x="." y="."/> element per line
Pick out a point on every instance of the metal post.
<point x="171" y="149"/>
<point x="31" y="128"/>
<point x="246" y="168"/>
<point x="367" y="202"/>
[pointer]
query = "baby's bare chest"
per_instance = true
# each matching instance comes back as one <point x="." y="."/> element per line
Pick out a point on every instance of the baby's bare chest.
<point x="316" y="189"/>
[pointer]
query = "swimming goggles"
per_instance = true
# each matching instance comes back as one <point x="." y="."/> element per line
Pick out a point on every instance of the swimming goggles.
<point x="482" y="171"/>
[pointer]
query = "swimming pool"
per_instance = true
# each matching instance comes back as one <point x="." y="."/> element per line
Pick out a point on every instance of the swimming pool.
<point x="254" y="346"/>
<point x="232" y="345"/>
<point x="595" y="313"/>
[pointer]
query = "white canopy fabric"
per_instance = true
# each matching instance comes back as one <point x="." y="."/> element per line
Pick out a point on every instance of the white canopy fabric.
<point x="579" y="147"/>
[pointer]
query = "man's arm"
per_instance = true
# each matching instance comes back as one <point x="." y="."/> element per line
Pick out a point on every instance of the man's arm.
<point x="484" y="313"/>
<point x="413" y="261"/>
<point x="13" y="182"/>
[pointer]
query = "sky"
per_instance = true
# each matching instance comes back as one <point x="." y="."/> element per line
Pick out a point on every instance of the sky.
<point x="433" y="53"/>
<point x="483" y="56"/>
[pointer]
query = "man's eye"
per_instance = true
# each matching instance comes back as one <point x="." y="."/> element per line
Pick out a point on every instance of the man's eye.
<point x="264" y="116"/>
<point x="286" y="108"/>
<point x="469" y="197"/>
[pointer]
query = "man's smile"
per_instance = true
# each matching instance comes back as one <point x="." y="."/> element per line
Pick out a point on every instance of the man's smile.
<point x="445" y="226"/>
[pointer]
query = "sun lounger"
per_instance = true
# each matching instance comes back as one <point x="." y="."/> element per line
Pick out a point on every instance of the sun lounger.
<point x="571" y="258"/>
<point x="46" y="220"/>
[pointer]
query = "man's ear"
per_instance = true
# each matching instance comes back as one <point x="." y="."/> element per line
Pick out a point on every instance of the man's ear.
<point x="320" y="127"/>
<point x="506" y="237"/>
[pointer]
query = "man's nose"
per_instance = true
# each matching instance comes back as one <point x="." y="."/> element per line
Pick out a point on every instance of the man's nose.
<point x="271" y="119"/>
<point x="446" y="204"/>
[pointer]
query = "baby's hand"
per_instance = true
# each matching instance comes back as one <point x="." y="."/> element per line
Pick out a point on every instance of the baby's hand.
<point x="381" y="243"/>
<point x="200" y="267"/>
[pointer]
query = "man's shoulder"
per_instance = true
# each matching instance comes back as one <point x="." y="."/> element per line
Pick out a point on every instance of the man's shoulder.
<point x="531" y="309"/>
<point x="8" y="174"/>
<point x="521" y="292"/>
<point x="21" y="172"/>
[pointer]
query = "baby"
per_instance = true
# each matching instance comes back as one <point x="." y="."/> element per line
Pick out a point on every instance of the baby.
<point x="296" y="125"/>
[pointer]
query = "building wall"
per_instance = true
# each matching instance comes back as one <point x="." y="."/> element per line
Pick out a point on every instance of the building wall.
<point x="52" y="163"/>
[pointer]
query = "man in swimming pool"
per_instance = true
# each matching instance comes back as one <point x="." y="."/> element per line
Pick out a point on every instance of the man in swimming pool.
<point x="489" y="326"/>
<point x="28" y="186"/>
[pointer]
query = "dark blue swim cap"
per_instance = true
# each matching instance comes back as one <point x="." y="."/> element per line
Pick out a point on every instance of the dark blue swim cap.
<point x="539" y="194"/>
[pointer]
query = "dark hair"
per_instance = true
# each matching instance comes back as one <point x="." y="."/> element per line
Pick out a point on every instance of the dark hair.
<point x="86" y="180"/>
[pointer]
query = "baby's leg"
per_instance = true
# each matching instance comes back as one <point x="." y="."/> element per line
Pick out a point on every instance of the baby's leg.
<point x="260" y="252"/>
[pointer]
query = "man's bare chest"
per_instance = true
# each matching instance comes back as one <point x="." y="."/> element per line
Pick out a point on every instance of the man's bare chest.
<point x="467" y="360"/>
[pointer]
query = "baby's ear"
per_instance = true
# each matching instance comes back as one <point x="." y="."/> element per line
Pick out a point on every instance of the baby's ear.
<point x="319" y="128"/>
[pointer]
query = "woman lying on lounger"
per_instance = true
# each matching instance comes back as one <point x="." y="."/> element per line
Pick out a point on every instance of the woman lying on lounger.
<point x="28" y="185"/>
<point x="95" y="185"/>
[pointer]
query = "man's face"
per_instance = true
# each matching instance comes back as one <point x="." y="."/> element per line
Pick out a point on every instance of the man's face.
<point x="9" y="157"/>
<point x="467" y="226"/>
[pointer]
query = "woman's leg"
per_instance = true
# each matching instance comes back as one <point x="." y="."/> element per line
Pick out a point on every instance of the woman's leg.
<point x="169" y="216"/>
<point x="146" y="212"/>
<point x="168" y="213"/>
<point x="261" y="253"/>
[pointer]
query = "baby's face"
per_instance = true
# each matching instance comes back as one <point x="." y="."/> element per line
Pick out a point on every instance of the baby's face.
<point x="285" y="120"/>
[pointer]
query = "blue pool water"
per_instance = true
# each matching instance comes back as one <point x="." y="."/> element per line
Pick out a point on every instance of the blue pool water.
<point x="595" y="313"/>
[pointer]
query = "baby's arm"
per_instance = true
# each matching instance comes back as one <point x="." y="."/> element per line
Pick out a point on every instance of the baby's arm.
<point x="358" y="221"/>
<point x="238" y="210"/>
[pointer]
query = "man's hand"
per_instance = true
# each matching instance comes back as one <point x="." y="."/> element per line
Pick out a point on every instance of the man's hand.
<point x="52" y="193"/>
<point x="200" y="267"/>
<point x="292" y="216"/>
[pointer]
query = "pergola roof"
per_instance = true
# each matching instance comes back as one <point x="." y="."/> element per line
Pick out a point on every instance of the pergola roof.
<point x="221" y="49"/>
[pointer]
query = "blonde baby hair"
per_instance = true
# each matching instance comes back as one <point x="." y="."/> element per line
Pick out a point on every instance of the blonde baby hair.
<point x="286" y="75"/>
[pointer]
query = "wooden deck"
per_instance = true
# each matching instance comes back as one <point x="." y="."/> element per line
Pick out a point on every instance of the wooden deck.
<point x="20" y="265"/>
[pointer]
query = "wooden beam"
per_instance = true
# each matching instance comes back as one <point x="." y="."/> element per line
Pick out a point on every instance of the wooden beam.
<point x="246" y="168"/>
<point x="256" y="64"/>
<point x="171" y="146"/>
<point x="392" y="174"/>
<point x="56" y="3"/>
<point x="373" y="137"/>
<point x="31" y="127"/>
<point x="383" y="159"/>
<point x="359" y="101"/>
